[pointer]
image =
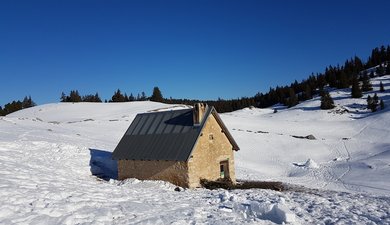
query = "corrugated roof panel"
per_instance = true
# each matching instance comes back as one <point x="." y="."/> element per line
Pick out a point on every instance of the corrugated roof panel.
<point x="147" y="118"/>
<point x="162" y="125"/>
<point x="180" y="145"/>
<point x="165" y="147"/>
<point x="158" y="136"/>
<point x="133" y="125"/>
<point x="169" y="126"/>
<point x="155" y="125"/>
<point x="186" y="129"/>
<point x="147" y="124"/>
<point x="155" y="145"/>
<point x="182" y="129"/>
<point x="177" y="129"/>
<point x="139" y="125"/>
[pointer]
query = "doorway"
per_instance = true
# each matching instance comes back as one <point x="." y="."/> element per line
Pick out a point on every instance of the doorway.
<point x="224" y="169"/>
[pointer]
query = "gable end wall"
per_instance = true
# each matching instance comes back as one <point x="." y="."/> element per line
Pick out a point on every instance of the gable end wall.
<point x="204" y="162"/>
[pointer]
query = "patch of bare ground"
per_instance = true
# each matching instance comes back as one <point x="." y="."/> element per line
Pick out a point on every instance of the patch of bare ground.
<point x="243" y="184"/>
<point x="253" y="184"/>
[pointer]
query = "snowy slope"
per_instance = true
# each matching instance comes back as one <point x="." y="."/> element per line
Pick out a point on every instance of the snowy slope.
<point x="48" y="154"/>
<point x="351" y="149"/>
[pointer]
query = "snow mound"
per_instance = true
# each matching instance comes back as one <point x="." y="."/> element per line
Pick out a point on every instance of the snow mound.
<point x="311" y="164"/>
<point x="276" y="212"/>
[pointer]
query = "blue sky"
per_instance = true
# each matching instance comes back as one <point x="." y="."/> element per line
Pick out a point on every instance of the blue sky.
<point x="190" y="49"/>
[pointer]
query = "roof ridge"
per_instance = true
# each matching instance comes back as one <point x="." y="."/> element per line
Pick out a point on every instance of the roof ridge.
<point x="167" y="111"/>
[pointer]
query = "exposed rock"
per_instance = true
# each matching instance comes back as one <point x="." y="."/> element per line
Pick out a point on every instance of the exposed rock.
<point x="262" y="132"/>
<point x="178" y="189"/>
<point x="309" y="137"/>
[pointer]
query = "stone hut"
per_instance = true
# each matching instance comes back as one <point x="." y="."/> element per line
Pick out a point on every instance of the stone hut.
<point x="179" y="146"/>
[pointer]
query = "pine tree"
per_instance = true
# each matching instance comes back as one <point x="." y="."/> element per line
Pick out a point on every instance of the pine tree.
<point x="388" y="53"/>
<point x="131" y="97"/>
<point x="63" y="97"/>
<point x="326" y="101"/>
<point x="321" y="81"/>
<point x="366" y="86"/>
<point x="13" y="107"/>
<point x="375" y="101"/>
<point x="381" y="87"/>
<point x="382" y="104"/>
<point x="25" y="102"/>
<point x="143" y="97"/>
<point x="97" y="98"/>
<point x="342" y="81"/>
<point x="28" y="102"/>
<point x="369" y="102"/>
<point x="372" y="103"/>
<point x="292" y="99"/>
<point x="380" y="70"/>
<point x="358" y="65"/>
<point x="74" y="96"/>
<point x="307" y="92"/>
<point x="2" y="113"/>
<point x="91" y="98"/>
<point x="330" y="76"/>
<point x="382" y="54"/>
<point x="388" y="69"/>
<point x="356" y="92"/>
<point x="156" y="96"/>
<point x="117" y="97"/>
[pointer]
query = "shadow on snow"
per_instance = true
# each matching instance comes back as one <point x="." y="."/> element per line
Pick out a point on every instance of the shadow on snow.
<point x="102" y="165"/>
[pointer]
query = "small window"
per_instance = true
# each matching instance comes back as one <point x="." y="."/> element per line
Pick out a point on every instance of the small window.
<point x="211" y="137"/>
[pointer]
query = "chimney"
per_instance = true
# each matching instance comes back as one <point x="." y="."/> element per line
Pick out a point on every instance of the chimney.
<point x="199" y="111"/>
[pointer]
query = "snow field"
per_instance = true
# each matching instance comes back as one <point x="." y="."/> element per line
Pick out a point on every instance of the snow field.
<point x="48" y="155"/>
<point x="350" y="153"/>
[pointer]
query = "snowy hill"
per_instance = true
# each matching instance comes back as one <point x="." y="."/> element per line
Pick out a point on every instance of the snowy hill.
<point x="352" y="149"/>
<point x="48" y="154"/>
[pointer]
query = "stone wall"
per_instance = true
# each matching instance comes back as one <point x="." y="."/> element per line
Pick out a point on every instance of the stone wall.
<point x="171" y="171"/>
<point x="212" y="148"/>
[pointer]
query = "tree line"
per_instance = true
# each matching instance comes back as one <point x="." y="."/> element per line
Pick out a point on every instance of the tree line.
<point x="221" y="105"/>
<point x="353" y="72"/>
<point x="118" y="96"/>
<point x="17" y="105"/>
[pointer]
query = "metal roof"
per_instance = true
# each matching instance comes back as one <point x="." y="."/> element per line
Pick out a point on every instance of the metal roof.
<point x="169" y="135"/>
